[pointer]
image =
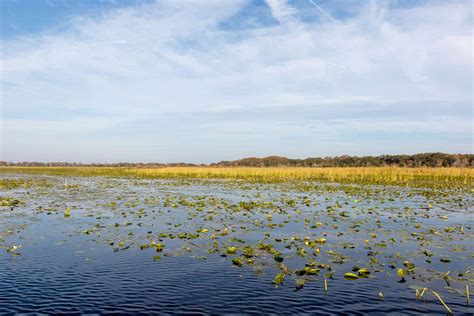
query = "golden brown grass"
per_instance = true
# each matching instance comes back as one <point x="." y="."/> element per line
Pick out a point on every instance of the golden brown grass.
<point x="368" y="175"/>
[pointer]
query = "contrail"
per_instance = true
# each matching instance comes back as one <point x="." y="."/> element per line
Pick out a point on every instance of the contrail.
<point x="323" y="12"/>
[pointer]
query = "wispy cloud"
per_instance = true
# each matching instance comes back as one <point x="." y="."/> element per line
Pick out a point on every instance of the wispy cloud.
<point x="281" y="11"/>
<point x="159" y="65"/>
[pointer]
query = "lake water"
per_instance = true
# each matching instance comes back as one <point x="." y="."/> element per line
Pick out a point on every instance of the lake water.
<point x="100" y="245"/>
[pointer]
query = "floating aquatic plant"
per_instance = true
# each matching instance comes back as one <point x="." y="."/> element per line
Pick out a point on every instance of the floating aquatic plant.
<point x="318" y="230"/>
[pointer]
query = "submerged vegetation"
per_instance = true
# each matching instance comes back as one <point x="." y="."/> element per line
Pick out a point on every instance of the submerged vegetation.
<point x="385" y="232"/>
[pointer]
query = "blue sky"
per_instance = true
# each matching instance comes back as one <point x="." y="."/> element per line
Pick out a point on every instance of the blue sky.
<point x="203" y="81"/>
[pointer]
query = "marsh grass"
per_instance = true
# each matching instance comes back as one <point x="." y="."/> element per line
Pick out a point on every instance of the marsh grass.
<point x="418" y="177"/>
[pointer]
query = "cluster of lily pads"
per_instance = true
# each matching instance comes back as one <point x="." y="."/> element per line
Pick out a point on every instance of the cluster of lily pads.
<point x="306" y="231"/>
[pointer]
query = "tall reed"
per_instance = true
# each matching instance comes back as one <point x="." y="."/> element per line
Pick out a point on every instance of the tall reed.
<point x="438" y="177"/>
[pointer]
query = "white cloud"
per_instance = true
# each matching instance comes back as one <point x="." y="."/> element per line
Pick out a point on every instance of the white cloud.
<point x="281" y="11"/>
<point x="175" y="58"/>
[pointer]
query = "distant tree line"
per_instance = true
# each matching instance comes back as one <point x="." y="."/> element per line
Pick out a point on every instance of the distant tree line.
<point x="417" y="160"/>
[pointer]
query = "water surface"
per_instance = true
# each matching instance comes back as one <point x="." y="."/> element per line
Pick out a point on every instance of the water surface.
<point x="100" y="245"/>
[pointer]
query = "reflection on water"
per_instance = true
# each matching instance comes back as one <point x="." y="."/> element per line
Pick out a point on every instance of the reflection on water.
<point x="168" y="247"/>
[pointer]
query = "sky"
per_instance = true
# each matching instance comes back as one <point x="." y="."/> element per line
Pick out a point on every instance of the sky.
<point x="203" y="81"/>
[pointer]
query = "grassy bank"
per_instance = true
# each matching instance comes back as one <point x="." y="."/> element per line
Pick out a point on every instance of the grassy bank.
<point x="437" y="177"/>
